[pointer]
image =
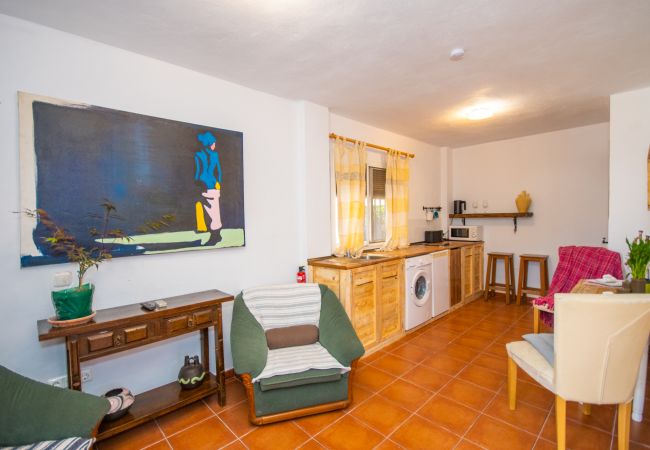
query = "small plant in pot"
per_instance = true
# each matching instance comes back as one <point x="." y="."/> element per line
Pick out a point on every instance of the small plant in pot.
<point x="637" y="261"/>
<point x="76" y="302"/>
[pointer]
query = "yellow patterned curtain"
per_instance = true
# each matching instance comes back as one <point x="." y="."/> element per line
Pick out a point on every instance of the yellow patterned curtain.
<point x="397" y="201"/>
<point x="350" y="174"/>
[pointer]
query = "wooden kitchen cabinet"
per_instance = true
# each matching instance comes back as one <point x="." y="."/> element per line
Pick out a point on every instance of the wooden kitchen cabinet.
<point x="372" y="295"/>
<point x="363" y="304"/>
<point x="455" y="277"/>
<point x="471" y="271"/>
<point x="390" y="295"/>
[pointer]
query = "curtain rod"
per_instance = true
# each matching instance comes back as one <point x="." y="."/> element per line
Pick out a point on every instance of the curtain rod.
<point x="378" y="147"/>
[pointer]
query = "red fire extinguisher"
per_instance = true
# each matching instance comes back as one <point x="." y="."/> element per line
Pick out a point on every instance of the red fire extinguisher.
<point x="301" y="276"/>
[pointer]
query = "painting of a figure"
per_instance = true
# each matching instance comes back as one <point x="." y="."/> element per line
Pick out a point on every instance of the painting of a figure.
<point x="74" y="157"/>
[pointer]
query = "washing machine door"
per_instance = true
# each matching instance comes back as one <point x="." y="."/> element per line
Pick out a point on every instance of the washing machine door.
<point x="420" y="288"/>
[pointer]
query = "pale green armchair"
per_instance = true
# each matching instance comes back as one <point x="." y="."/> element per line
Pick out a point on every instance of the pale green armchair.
<point x="292" y="395"/>
<point x="32" y="412"/>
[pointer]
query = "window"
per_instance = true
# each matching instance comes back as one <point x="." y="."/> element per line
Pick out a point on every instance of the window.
<point x="375" y="202"/>
<point x="375" y="226"/>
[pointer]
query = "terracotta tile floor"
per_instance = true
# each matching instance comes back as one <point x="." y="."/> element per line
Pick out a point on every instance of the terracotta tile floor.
<point x="441" y="387"/>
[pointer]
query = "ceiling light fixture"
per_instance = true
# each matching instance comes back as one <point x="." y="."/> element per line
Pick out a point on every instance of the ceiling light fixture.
<point x="479" y="113"/>
<point x="457" y="54"/>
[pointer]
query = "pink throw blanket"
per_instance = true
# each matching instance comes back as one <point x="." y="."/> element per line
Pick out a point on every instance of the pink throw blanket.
<point x="577" y="263"/>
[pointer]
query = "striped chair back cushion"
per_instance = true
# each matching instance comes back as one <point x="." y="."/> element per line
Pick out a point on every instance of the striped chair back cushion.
<point x="284" y="305"/>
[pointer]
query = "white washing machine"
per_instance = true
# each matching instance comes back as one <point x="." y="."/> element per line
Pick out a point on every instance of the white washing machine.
<point x="418" y="274"/>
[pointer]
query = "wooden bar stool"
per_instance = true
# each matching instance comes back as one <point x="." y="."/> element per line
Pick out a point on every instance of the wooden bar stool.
<point x="523" y="289"/>
<point x="508" y="286"/>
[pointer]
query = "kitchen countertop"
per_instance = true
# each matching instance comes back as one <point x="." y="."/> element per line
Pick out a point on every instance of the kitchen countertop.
<point x="418" y="249"/>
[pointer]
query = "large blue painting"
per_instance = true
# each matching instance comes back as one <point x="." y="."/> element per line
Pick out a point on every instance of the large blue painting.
<point x="75" y="156"/>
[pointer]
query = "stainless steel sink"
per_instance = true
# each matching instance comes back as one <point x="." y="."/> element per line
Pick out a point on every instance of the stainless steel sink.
<point x="370" y="257"/>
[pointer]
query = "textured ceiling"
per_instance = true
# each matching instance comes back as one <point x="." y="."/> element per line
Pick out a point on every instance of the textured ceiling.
<point x="549" y="64"/>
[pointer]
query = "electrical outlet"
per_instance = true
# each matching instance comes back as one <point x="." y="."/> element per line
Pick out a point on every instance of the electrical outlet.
<point x="62" y="381"/>
<point x="86" y="375"/>
<point x="62" y="279"/>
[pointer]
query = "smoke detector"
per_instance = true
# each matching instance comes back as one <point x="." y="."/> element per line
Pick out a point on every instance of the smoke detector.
<point x="457" y="54"/>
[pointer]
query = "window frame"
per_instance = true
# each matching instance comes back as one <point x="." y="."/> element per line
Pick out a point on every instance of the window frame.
<point x="368" y="223"/>
<point x="374" y="158"/>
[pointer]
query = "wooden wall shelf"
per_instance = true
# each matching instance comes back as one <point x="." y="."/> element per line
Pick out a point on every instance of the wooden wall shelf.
<point x="514" y="216"/>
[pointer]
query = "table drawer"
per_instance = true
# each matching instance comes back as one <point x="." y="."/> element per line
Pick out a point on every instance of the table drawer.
<point x="107" y="341"/>
<point x="184" y="322"/>
<point x="176" y="324"/>
<point x="136" y="333"/>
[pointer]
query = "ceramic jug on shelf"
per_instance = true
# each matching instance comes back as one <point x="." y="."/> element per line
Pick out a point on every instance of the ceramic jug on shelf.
<point x="523" y="201"/>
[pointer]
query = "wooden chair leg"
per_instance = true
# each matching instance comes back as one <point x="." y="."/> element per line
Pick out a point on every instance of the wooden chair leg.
<point x="535" y="320"/>
<point x="560" y="422"/>
<point x="525" y="296"/>
<point x="512" y="384"/>
<point x="586" y="409"/>
<point x="624" y="413"/>
<point x="513" y="284"/>
<point x="520" y="284"/>
<point x="493" y="275"/>
<point x="487" y="279"/>
<point x="543" y="277"/>
<point x="506" y="282"/>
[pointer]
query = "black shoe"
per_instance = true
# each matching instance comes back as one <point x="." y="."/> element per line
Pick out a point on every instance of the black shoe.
<point x="215" y="238"/>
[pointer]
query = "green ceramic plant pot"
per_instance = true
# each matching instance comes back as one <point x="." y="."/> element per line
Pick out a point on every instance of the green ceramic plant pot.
<point x="73" y="303"/>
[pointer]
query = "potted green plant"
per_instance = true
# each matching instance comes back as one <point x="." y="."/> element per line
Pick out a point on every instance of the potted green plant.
<point x="637" y="260"/>
<point x="76" y="302"/>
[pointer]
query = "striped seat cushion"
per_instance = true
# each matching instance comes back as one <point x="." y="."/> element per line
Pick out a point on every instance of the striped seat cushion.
<point x="283" y="361"/>
<point x="284" y="305"/>
<point x="74" y="443"/>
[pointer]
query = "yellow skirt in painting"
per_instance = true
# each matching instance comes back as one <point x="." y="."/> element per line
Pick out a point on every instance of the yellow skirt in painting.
<point x="200" y="218"/>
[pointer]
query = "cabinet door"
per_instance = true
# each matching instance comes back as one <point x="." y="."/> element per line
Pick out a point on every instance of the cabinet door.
<point x="455" y="277"/>
<point x="477" y="269"/>
<point x="390" y="299"/>
<point x="466" y="271"/>
<point x="364" y="304"/>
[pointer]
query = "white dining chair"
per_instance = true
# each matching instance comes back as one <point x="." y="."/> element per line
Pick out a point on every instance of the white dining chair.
<point x="593" y="357"/>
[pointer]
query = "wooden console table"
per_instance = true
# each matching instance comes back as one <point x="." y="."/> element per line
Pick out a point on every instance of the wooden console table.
<point x="122" y="328"/>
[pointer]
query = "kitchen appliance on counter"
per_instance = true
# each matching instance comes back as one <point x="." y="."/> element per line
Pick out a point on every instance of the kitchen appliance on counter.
<point x="432" y="237"/>
<point x="460" y="206"/>
<point x="465" y="233"/>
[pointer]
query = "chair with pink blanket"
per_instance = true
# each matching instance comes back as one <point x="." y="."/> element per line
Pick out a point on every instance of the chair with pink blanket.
<point x="577" y="263"/>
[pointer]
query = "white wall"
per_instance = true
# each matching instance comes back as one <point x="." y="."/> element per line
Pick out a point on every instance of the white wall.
<point x="628" y="176"/>
<point x="48" y="62"/>
<point x="424" y="169"/>
<point x="314" y="169"/>
<point x="566" y="174"/>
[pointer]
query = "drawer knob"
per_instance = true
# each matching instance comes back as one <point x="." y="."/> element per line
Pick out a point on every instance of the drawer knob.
<point x="190" y="322"/>
<point x="118" y="340"/>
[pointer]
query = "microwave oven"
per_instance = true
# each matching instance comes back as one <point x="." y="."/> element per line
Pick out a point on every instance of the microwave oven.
<point x="465" y="233"/>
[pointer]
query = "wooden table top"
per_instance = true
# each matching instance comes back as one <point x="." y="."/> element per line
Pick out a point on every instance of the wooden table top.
<point x="120" y="315"/>
<point x="587" y="287"/>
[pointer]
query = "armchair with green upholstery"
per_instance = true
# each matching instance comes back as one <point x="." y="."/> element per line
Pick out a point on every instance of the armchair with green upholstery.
<point x="287" y="396"/>
<point x="32" y="412"/>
